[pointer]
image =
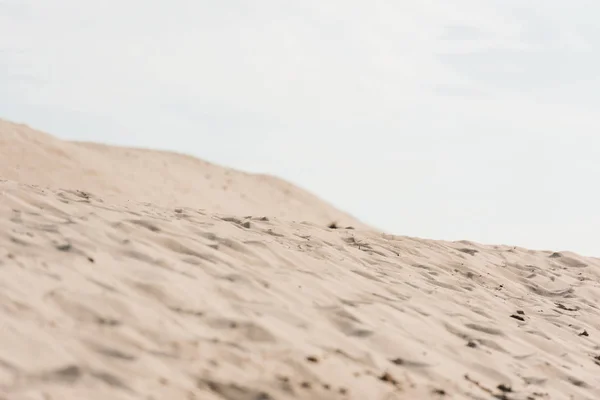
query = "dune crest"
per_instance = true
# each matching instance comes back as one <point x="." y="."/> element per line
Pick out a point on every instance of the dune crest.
<point x="102" y="297"/>
<point x="163" y="178"/>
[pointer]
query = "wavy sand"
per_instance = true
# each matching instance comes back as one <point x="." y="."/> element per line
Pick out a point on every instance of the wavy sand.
<point x="103" y="299"/>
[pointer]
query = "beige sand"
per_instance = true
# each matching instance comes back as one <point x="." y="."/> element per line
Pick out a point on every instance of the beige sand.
<point x="104" y="295"/>
<point x="122" y="175"/>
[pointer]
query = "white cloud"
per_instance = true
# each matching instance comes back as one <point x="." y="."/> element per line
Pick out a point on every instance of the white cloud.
<point x="462" y="119"/>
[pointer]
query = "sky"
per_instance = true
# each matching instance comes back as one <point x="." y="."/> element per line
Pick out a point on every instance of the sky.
<point x="456" y="120"/>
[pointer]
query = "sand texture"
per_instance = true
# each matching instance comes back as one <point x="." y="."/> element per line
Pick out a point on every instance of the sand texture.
<point x="105" y="297"/>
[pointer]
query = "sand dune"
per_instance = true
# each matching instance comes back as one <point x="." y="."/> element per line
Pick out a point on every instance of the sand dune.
<point x="122" y="175"/>
<point x="105" y="297"/>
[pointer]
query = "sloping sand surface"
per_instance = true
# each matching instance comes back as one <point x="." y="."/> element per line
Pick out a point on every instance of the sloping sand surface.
<point x="104" y="298"/>
<point x="167" y="179"/>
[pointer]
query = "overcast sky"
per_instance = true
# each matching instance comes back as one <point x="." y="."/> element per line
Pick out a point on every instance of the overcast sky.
<point x="464" y="119"/>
